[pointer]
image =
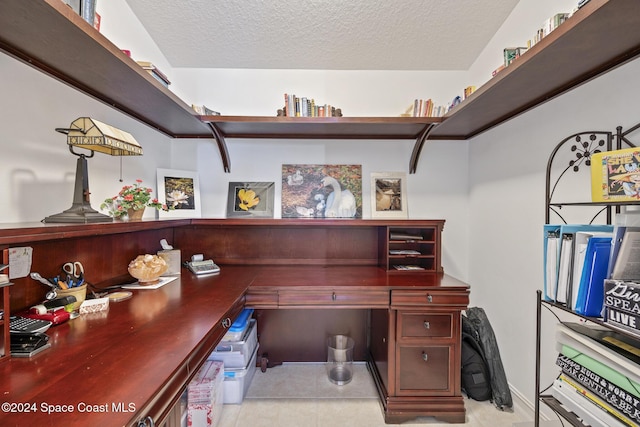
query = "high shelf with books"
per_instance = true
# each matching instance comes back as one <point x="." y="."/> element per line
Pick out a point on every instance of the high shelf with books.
<point x="571" y="158"/>
<point x="48" y="35"/>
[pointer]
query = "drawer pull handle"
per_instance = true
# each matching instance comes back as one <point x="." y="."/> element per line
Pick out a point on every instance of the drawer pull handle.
<point x="146" y="422"/>
<point x="425" y="356"/>
<point x="427" y="325"/>
<point x="333" y="296"/>
<point x="226" y="323"/>
<point x="429" y="298"/>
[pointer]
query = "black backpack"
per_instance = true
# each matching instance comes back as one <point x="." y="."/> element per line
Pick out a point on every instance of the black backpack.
<point x="475" y="378"/>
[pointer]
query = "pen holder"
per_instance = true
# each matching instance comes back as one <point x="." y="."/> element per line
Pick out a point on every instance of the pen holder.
<point x="80" y="293"/>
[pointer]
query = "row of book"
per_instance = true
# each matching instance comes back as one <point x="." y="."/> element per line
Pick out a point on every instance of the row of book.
<point x="510" y="54"/>
<point x="427" y="107"/>
<point x="301" y="106"/>
<point x="599" y="379"/>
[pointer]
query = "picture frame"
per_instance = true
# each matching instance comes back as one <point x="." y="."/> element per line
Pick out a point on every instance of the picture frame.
<point x="182" y="190"/>
<point x="389" y="195"/>
<point x="251" y="199"/>
<point x="321" y="191"/>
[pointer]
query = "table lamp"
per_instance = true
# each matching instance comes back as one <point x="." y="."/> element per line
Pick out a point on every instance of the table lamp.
<point x="91" y="135"/>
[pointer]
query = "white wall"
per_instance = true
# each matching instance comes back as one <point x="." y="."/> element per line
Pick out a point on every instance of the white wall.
<point x="507" y="190"/>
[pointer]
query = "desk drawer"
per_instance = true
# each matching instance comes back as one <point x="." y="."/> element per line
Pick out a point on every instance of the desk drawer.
<point x="332" y="298"/>
<point x="421" y="325"/>
<point x="430" y="298"/>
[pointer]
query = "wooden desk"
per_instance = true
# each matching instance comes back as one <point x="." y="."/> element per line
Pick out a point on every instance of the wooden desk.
<point x="125" y="364"/>
<point x="327" y="273"/>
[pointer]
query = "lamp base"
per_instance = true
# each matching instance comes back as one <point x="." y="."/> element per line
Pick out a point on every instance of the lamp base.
<point x="80" y="211"/>
<point x="78" y="215"/>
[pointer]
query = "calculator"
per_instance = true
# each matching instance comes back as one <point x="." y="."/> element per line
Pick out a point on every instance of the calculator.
<point x="203" y="267"/>
<point x="24" y="325"/>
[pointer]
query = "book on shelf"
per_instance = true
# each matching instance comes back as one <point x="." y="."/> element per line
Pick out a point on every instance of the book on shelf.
<point x="600" y="368"/>
<point x="426" y="108"/>
<point x="202" y="110"/>
<point x="510" y="54"/>
<point x="617" y="401"/>
<point x="155" y="72"/>
<point x="295" y="106"/>
<point x="588" y="406"/>
<point x="615" y="175"/>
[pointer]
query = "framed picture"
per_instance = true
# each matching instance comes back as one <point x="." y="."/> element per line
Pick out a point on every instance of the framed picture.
<point x="322" y="191"/>
<point x="180" y="189"/>
<point x="250" y="199"/>
<point x="389" y="195"/>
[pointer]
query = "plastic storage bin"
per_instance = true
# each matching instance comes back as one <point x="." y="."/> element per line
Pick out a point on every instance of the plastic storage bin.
<point x="237" y="381"/>
<point x="205" y="395"/>
<point x="236" y="354"/>
<point x="239" y="326"/>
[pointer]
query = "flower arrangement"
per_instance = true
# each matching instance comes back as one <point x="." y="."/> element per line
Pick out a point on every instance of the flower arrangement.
<point x="131" y="197"/>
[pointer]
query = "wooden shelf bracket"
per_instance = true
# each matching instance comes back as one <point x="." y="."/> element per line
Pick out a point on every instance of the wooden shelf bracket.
<point x="417" y="148"/>
<point x="222" y="146"/>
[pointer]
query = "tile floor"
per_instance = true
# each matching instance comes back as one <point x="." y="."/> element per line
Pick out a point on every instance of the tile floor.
<point x="296" y="395"/>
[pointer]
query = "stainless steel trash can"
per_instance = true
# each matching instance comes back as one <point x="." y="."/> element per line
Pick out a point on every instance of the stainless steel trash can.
<point x="340" y="359"/>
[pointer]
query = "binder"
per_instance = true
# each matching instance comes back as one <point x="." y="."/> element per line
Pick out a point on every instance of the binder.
<point x="550" y="249"/>
<point x="581" y="240"/>
<point x="564" y="279"/>
<point x="590" y="299"/>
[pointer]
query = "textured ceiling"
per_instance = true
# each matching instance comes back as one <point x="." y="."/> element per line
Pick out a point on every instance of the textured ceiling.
<point x="322" y="34"/>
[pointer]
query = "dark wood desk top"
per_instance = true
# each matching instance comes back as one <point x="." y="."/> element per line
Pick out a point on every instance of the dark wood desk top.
<point x="354" y="277"/>
<point x="127" y="355"/>
<point x="146" y="348"/>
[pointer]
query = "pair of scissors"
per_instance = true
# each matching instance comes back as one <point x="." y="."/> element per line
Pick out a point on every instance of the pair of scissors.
<point x="75" y="273"/>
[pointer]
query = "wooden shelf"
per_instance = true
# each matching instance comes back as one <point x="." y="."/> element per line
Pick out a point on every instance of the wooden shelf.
<point x="600" y="36"/>
<point x="49" y="36"/>
<point x="393" y="128"/>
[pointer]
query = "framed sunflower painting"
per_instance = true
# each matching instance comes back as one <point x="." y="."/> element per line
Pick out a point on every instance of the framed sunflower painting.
<point x="250" y="199"/>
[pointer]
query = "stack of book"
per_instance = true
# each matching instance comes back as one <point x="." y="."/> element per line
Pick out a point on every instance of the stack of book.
<point x="155" y="72"/>
<point x="599" y="378"/>
<point x="301" y="106"/>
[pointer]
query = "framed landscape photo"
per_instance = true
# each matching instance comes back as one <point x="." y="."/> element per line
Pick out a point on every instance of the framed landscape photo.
<point x="251" y="199"/>
<point x="180" y="190"/>
<point x="389" y="195"/>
